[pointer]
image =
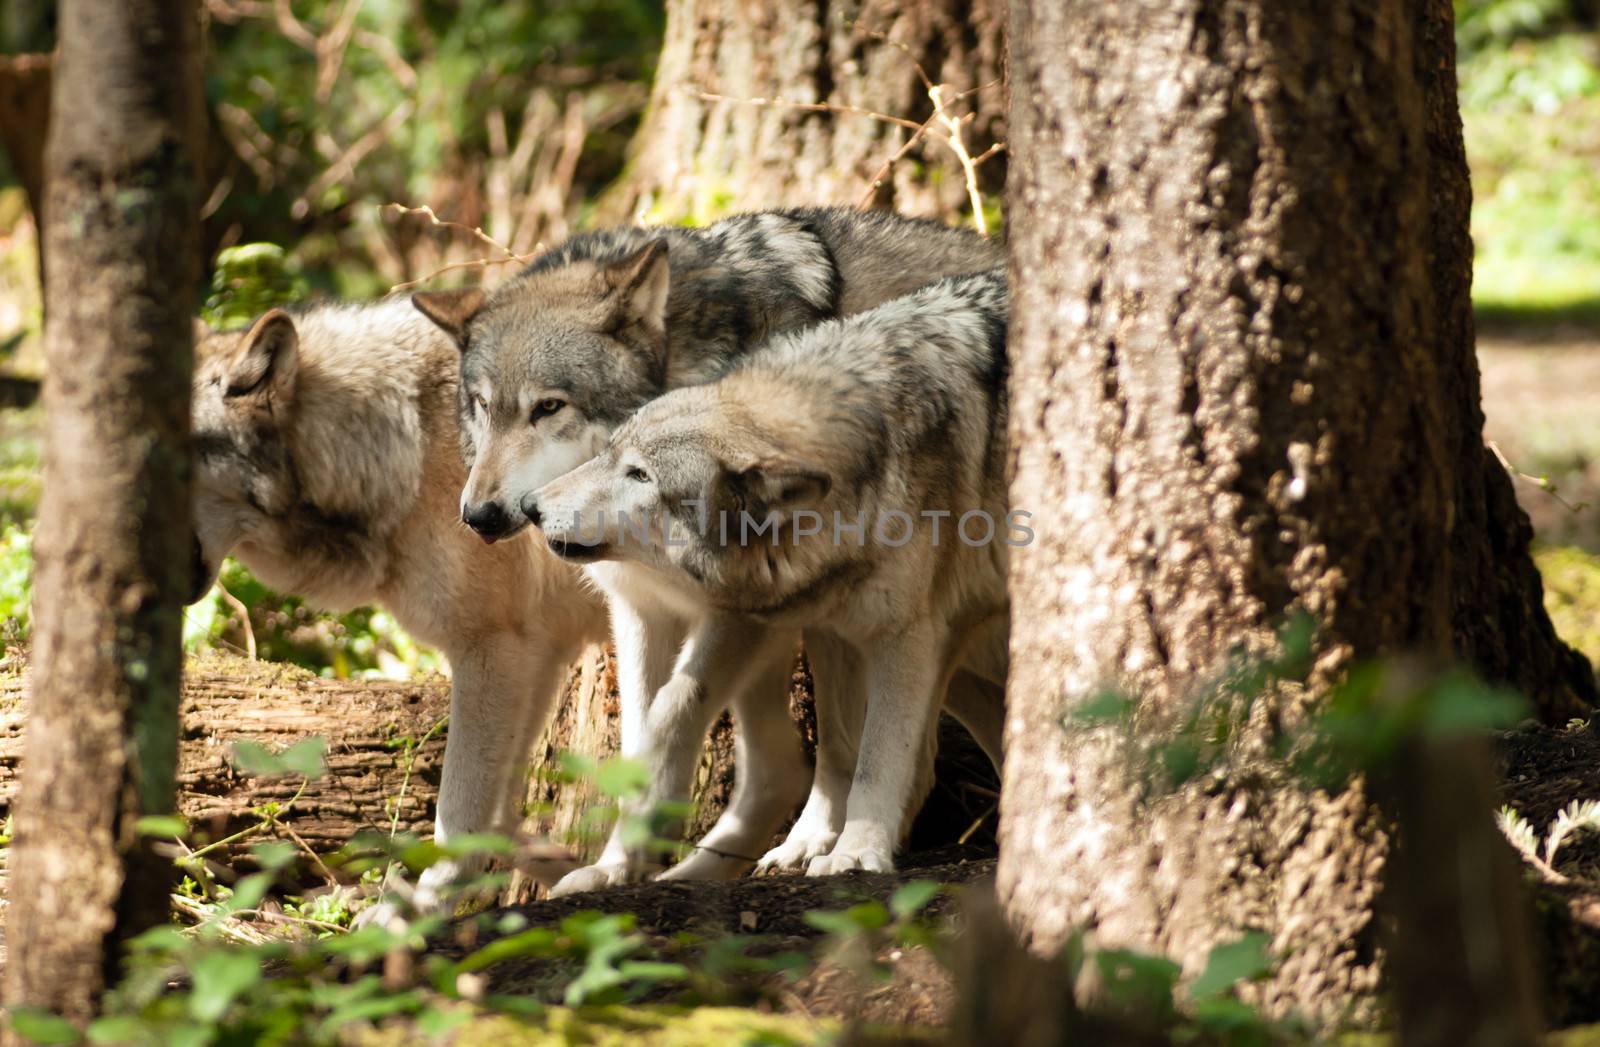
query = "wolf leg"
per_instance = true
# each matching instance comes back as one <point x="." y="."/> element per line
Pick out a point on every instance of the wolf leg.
<point x="769" y="776"/>
<point x="646" y="640"/>
<point x="724" y="654"/>
<point x="501" y="691"/>
<point x="839" y="695"/>
<point x="905" y="681"/>
<point x="980" y="706"/>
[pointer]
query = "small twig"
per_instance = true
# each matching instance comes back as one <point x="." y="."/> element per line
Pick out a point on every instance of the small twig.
<point x="958" y="145"/>
<point x="964" y="837"/>
<point x="252" y="144"/>
<point x="476" y="231"/>
<point x="346" y="164"/>
<point x="243" y="612"/>
<point x="331" y="48"/>
<point x="292" y="27"/>
<point x="238" y="10"/>
<point x="1541" y="482"/>
<point x="876" y="181"/>
<point x="327" y="873"/>
<point x="404" y="72"/>
<point x="405" y="780"/>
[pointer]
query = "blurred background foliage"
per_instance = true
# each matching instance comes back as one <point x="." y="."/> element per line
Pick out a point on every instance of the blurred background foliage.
<point x="514" y="118"/>
<point x="1530" y="102"/>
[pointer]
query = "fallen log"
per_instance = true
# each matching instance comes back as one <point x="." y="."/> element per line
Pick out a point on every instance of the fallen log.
<point x="381" y="773"/>
<point x="385" y="750"/>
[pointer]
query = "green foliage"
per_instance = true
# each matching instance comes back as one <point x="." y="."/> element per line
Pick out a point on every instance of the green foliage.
<point x="1485" y="24"/>
<point x="16" y="581"/>
<point x="248" y="280"/>
<point x="364" y="642"/>
<point x="1362" y="724"/>
<point x="1530" y="100"/>
<point x="419" y="83"/>
<point x="1572" y="595"/>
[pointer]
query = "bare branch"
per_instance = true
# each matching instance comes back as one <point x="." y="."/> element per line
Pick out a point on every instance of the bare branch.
<point x="346" y="164"/>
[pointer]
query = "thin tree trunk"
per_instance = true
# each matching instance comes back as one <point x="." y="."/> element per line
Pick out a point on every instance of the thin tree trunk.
<point x="112" y="542"/>
<point x="699" y="157"/>
<point x="1243" y="386"/>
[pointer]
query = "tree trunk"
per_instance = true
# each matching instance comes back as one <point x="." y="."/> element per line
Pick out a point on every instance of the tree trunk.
<point x="1243" y="385"/>
<point x="796" y="81"/>
<point x="112" y="544"/>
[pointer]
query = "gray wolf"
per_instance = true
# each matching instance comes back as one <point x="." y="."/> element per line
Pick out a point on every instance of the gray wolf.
<point x="868" y="455"/>
<point x="557" y="358"/>
<point x="328" y="461"/>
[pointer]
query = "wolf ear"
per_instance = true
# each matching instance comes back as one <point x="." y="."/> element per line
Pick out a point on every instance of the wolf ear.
<point x="267" y="359"/>
<point x="780" y="486"/>
<point x="451" y="310"/>
<point x="638" y="287"/>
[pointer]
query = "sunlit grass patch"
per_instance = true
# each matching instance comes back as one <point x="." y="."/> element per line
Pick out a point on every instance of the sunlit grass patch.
<point x="1531" y="112"/>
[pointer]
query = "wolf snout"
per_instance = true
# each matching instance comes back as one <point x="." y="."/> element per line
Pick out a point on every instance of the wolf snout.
<point x="530" y="509"/>
<point x="488" y="519"/>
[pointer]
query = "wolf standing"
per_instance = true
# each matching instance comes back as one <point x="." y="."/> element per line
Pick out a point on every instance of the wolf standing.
<point x="329" y="463"/>
<point x="559" y="357"/>
<point x="847" y="446"/>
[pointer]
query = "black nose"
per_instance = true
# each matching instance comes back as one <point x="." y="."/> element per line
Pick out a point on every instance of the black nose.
<point x="530" y="509"/>
<point x="487" y="518"/>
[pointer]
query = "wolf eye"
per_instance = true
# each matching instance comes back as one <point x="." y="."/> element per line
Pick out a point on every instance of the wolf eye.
<point x="638" y="475"/>
<point x="545" y="408"/>
<point x="480" y="403"/>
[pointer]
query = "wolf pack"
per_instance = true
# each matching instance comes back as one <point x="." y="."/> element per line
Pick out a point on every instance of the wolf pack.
<point x="710" y="446"/>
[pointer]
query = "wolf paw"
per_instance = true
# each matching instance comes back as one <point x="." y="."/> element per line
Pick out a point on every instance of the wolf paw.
<point x="799" y="848"/>
<point x="867" y="848"/>
<point x="596" y="878"/>
<point x="706" y="865"/>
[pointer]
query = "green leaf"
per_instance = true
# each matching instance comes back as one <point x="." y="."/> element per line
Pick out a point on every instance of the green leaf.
<point x="437" y="1022"/>
<point x="162" y="825"/>
<point x="912" y="897"/>
<point x="41" y="1026"/>
<point x="120" y="1028"/>
<point x="620" y="778"/>
<point x="305" y="757"/>
<point x="255" y="758"/>
<point x="273" y="854"/>
<point x="471" y="844"/>
<point x="1137" y="981"/>
<point x="867" y="916"/>
<point x="218" y="981"/>
<point x="541" y="941"/>
<point x="248" y="892"/>
<point x="653" y="971"/>
<point x="1244" y="960"/>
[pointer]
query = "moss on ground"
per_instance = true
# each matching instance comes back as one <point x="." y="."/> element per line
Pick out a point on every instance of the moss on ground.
<point x="627" y="1027"/>
<point x="1572" y="595"/>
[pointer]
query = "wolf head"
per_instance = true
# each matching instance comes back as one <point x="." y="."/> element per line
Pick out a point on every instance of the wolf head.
<point x="243" y="399"/>
<point x="693" y="482"/>
<point x="551" y="363"/>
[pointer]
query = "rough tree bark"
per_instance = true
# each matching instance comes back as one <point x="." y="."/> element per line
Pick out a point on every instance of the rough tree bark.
<point x="111" y="548"/>
<point x="699" y="158"/>
<point x="1243" y="384"/>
